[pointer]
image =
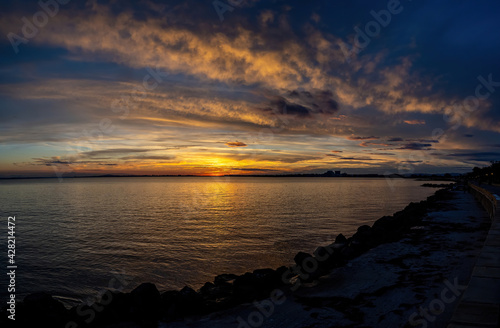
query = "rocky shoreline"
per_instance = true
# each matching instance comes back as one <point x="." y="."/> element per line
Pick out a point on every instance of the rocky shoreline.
<point x="145" y="306"/>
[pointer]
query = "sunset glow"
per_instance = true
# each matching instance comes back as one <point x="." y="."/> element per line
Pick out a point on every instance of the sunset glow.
<point x="177" y="91"/>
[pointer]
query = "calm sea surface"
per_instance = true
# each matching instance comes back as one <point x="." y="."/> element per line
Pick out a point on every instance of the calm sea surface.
<point x="82" y="235"/>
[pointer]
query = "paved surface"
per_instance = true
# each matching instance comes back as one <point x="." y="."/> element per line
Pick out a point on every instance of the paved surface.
<point x="480" y="304"/>
<point x="494" y="189"/>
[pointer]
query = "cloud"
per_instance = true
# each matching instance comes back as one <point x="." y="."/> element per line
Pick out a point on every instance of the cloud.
<point x="363" y="138"/>
<point x="382" y="154"/>
<point x="414" y="122"/>
<point x="336" y="151"/>
<point x="229" y="56"/>
<point x="478" y="156"/>
<point x="421" y="140"/>
<point x="150" y="157"/>
<point x="370" y="144"/>
<point x="354" y="158"/>
<point x="303" y="104"/>
<point x="254" y="170"/>
<point x="55" y="161"/>
<point x="113" y="151"/>
<point x="416" y="146"/>
<point x="48" y="162"/>
<point x="235" y="144"/>
<point x="357" y="158"/>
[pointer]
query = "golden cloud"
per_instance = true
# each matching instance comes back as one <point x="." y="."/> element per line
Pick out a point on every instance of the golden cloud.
<point x="235" y="144"/>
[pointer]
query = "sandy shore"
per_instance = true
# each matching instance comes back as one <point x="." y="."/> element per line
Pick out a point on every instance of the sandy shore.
<point x="415" y="282"/>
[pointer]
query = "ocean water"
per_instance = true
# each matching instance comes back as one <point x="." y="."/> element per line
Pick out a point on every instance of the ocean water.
<point x="78" y="237"/>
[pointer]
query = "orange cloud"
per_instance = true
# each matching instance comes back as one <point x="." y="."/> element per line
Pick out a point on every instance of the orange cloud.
<point x="236" y="144"/>
<point x="414" y="122"/>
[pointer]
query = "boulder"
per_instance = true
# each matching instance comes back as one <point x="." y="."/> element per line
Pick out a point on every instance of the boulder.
<point x="267" y="278"/>
<point x="177" y="304"/>
<point x="245" y="286"/>
<point x="302" y="258"/>
<point x="170" y="305"/>
<point x="328" y="258"/>
<point x="42" y="310"/>
<point x="364" y="228"/>
<point x="281" y="273"/>
<point x="207" y="290"/>
<point x="190" y="302"/>
<point x="224" y="278"/>
<point x="340" y="239"/>
<point x="145" y="302"/>
<point x="363" y="237"/>
<point x="386" y="222"/>
<point x="116" y="307"/>
<point x="349" y="252"/>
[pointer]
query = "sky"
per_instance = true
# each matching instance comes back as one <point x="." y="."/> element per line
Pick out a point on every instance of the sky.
<point x="248" y="87"/>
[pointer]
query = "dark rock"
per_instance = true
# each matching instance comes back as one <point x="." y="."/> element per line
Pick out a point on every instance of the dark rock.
<point x="116" y="307"/>
<point x="349" y="252"/>
<point x="170" y="297"/>
<point x="328" y="258"/>
<point x="380" y="235"/>
<point x="42" y="310"/>
<point x="386" y="222"/>
<point x="190" y="302"/>
<point x="286" y="274"/>
<point x="207" y="286"/>
<point x="207" y="289"/>
<point x="178" y="304"/>
<point x="311" y="267"/>
<point x="281" y="273"/>
<point x="363" y="237"/>
<point x="302" y="258"/>
<point x="244" y="285"/>
<point x="364" y="228"/>
<point x="340" y="239"/>
<point x="255" y="285"/>
<point x="224" y="278"/>
<point x="170" y="304"/>
<point x="216" y="292"/>
<point x="267" y="279"/>
<point x="83" y="315"/>
<point x="145" y="302"/>
<point x="322" y="252"/>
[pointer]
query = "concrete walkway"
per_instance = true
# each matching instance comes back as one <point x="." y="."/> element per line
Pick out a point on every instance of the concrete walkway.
<point x="480" y="304"/>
